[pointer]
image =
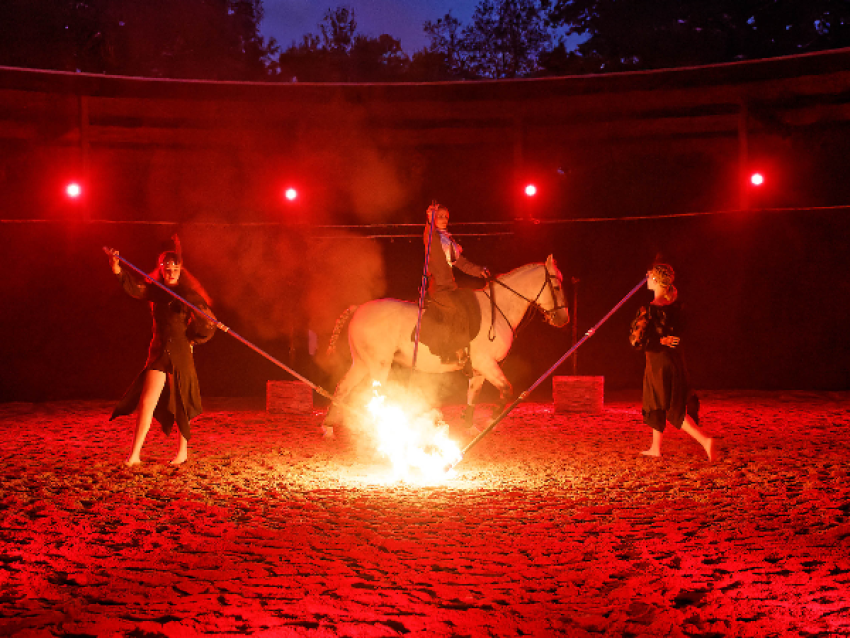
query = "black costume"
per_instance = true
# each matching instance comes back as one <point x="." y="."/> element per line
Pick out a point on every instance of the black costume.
<point x="452" y="316"/>
<point x="176" y="328"/>
<point x="667" y="392"/>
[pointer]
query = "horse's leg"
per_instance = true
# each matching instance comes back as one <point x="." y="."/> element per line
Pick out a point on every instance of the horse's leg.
<point x="352" y="378"/>
<point x="491" y="371"/>
<point x="358" y="371"/>
<point x="380" y="371"/>
<point x="472" y="393"/>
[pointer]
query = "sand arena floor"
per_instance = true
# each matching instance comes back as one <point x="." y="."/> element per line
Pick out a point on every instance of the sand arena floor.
<point x="554" y="526"/>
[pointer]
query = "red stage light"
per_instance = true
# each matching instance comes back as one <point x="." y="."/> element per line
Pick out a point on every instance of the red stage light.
<point x="756" y="179"/>
<point x="290" y="194"/>
<point x="531" y="190"/>
<point x="73" y="190"/>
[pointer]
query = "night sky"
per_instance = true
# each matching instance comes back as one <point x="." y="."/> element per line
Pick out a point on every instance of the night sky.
<point x="288" y="20"/>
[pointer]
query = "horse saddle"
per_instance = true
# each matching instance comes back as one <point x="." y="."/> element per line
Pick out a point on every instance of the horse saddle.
<point x="450" y="321"/>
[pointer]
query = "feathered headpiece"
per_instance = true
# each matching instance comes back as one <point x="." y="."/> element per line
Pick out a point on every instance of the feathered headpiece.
<point x="175" y="255"/>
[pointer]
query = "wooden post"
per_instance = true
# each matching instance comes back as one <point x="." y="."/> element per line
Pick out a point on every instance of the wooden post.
<point x="574" y="319"/>
<point x="293" y="348"/>
<point x="85" y="152"/>
<point x="743" y="158"/>
<point x="519" y="169"/>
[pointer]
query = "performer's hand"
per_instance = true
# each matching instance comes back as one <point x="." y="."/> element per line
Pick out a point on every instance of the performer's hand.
<point x="591" y="332"/>
<point x="485" y="273"/>
<point x="670" y="342"/>
<point x="113" y="259"/>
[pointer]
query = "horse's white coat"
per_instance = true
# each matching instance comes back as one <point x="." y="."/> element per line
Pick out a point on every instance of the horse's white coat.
<point x="379" y="332"/>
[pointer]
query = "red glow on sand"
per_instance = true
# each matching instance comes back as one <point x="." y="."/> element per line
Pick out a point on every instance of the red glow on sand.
<point x="756" y="179"/>
<point x="73" y="190"/>
<point x="290" y="194"/>
<point x="531" y="190"/>
<point x="554" y="526"/>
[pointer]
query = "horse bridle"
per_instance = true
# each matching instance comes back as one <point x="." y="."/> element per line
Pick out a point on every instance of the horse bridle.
<point x="548" y="315"/>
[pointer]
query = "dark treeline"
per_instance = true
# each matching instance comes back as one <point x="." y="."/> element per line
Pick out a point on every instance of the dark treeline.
<point x="198" y="39"/>
<point x="220" y="39"/>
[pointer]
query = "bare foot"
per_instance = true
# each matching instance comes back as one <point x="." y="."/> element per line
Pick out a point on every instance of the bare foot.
<point x="710" y="450"/>
<point x="180" y="459"/>
<point x="651" y="452"/>
<point x="130" y="462"/>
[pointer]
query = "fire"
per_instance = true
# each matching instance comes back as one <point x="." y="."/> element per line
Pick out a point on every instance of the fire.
<point x="416" y="441"/>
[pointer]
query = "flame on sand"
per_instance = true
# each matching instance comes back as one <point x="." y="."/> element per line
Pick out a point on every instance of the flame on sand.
<point x="415" y="440"/>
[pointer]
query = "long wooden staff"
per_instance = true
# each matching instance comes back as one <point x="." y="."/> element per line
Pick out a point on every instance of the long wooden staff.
<point x="222" y="327"/>
<point x="522" y="397"/>
<point x="422" y="288"/>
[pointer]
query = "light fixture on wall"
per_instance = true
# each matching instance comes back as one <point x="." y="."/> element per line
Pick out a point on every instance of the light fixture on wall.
<point x="73" y="190"/>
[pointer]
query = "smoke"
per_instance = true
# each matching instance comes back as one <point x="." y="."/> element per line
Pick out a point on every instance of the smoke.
<point x="377" y="186"/>
<point x="271" y="281"/>
<point x="280" y="281"/>
<point x="345" y="273"/>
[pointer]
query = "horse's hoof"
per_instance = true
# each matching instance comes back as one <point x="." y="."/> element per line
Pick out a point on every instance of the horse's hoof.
<point x="327" y="432"/>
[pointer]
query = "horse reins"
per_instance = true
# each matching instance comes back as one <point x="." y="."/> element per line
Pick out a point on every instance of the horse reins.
<point x="548" y="314"/>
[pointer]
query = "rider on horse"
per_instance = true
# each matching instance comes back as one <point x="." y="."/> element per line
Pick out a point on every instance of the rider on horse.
<point x="447" y="327"/>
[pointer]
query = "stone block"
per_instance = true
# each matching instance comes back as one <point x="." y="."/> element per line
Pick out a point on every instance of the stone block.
<point x="578" y="394"/>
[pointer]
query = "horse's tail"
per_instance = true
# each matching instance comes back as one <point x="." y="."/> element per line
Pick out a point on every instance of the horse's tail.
<point x="340" y="323"/>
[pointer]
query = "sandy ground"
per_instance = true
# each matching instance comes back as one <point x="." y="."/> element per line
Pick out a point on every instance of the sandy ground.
<point x="553" y="526"/>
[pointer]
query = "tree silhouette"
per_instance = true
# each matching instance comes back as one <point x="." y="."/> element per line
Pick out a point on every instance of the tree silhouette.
<point x="340" y="54"/>
<point x="219" y="39"/>
<point x="204" y="39"/>
<point x="506" y="37"/>
<point x="338" y="29"/>
<point x="504" y="40"/>
<point x="446" y="56"/>
<point x="641" y="34"/>
<point x="42" y="34"/>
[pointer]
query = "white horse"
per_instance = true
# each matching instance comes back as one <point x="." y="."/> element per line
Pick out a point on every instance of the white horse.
<point x="379" y="333"/>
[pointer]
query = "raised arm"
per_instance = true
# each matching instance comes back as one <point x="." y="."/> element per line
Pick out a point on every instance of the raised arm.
<point x="131" y="285"/>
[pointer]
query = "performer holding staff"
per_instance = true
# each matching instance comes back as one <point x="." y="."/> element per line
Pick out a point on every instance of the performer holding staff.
<point x="667" y="393"/>
<point x="167" y="388"/>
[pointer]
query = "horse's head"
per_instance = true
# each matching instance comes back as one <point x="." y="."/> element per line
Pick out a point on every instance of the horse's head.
<point x="538" y="285"/>
<point x="551" y="300"/>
